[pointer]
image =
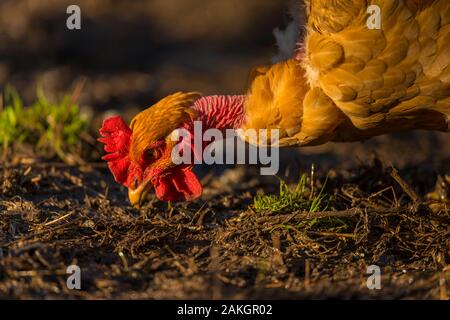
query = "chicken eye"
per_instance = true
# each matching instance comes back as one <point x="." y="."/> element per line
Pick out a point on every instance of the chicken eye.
<point x="152" y="154"/>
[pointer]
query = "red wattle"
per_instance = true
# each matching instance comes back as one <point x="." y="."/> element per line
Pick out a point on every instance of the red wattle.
<point x="179" y="185"/>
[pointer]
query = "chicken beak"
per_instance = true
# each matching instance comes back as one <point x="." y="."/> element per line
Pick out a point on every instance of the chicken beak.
<point x="137" y="196"/>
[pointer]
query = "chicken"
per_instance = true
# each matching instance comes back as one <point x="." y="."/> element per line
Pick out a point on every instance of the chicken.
<point x="343" y="82"/>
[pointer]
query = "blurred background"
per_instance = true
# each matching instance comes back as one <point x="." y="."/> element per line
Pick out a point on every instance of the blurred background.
<point x="129" y="54"/>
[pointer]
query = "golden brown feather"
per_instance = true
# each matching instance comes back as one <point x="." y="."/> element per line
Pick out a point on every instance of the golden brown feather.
<point x="160" y="120"/>
<point x="352" y="82"/>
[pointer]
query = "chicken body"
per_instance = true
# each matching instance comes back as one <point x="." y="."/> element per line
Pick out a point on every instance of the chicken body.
<point x="345" y="81"/>
<point x="350" y="82"/>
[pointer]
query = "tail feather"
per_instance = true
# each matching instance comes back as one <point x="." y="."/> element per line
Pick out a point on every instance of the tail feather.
<point x="289" y="39"/>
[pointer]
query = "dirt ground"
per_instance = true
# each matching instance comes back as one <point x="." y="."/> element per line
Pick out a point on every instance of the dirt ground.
<point x="124" y="59"/>
<point x="53" y="216"/>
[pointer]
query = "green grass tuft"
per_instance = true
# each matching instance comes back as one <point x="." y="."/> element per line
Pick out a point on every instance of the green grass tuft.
<point x="303" y="197"/>
<point x="52" y="129"/>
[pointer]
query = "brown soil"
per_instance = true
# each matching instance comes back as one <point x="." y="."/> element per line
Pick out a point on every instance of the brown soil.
<point x="53" y="216"/>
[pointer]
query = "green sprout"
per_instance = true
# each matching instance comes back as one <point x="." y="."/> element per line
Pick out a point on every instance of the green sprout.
<point x="303" y="198"/>
<point x="52" y="129"/>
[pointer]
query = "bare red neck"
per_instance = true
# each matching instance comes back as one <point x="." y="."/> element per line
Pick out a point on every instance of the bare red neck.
<point x="220" y="112"/>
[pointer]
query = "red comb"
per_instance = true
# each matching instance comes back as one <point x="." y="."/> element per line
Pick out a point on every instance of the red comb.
<point x="116" y="136"/>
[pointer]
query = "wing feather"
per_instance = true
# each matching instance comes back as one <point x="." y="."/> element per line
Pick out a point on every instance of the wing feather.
<point x="377" y="77"/>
